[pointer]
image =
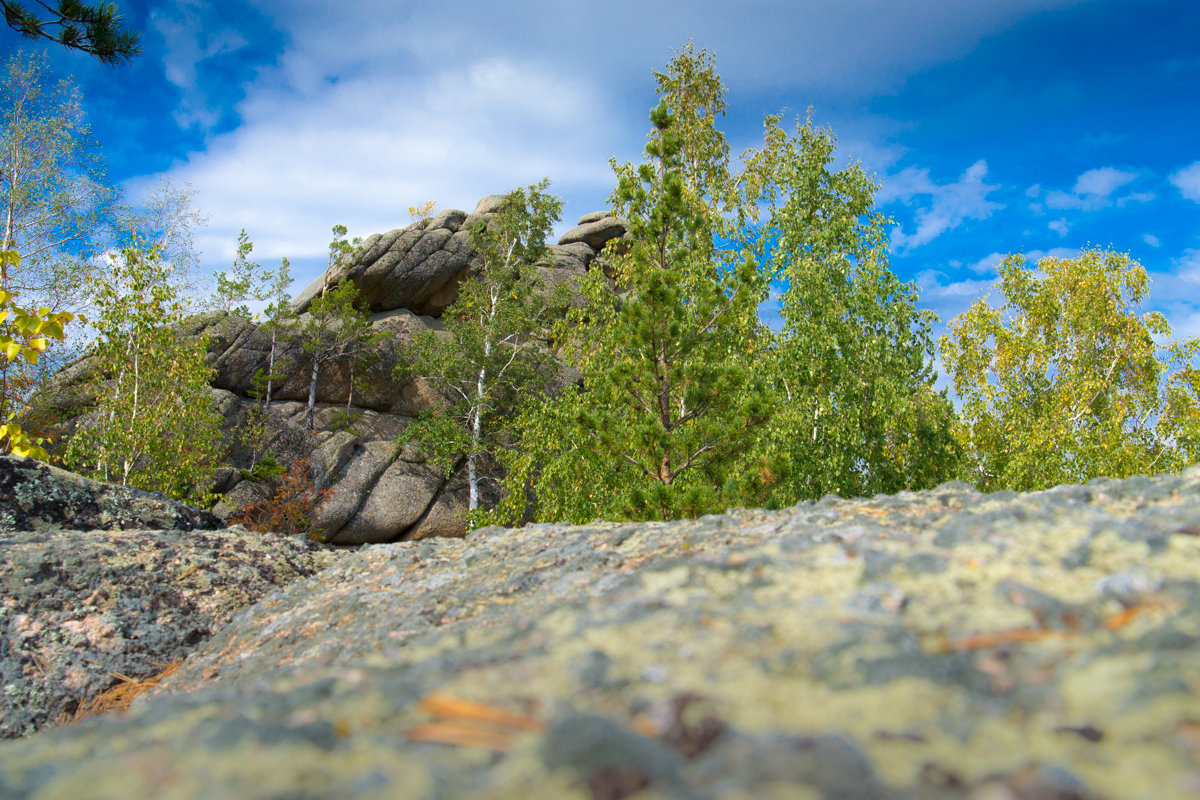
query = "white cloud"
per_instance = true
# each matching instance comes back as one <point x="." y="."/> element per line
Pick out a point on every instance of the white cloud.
<point x="1136" y="197"/>
<point x="1102" y="182"/>
<point x="1187" y="181"/>
<point x="367" y="109"/>
<point x="1033" y="191"/>
<point x="340" y="154"/>
<point x="949" y="205"/>
<point x="1151" y="239"/>
<point x="1093" y="190"/>
<point x="854" y="46"/>
<point x="1059" y="226"/>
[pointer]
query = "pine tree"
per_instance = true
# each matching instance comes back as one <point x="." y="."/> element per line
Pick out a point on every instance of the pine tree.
<point x="94" y="29"/>
<point x="687" y="402"/>
<point x="668" y="401"/>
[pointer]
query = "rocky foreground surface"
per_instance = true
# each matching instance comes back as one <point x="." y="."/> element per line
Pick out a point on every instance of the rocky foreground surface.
<point x="101" y="584"/>
<point x="940" y="644"/>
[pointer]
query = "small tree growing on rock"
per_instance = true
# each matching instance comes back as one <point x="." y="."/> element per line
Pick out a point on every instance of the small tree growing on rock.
<point x="338" y="326"/>
<point x="489" y="359"/>
<point x="244" y="282"/>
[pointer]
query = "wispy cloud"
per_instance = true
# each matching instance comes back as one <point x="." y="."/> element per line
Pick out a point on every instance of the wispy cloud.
<point x="194" y="34"/>
<point x="1187" y="266"/>
<point x="1187" y="181"/>
<point x="940" y="207"/>
<point x="987" y="264"/>
<point x="1095" y="189"/>
<point x="1034" y="256"/>
<point x="1151" y="239"/>
<point x="1060" y="226"/>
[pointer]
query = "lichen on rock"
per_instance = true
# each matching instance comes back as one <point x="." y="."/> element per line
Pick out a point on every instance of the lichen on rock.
<point x="939" y="644"/>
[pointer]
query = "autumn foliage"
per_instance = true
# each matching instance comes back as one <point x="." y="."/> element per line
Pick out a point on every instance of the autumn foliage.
<point x="290" y="509"/>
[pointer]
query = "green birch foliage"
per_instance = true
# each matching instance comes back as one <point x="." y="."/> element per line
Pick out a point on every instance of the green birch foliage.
<point x="277" y="318"/>
<point x="489" y="360"/>
<point x="155" y="425"/>
<point x="667" y="401"/>
<point x="858" y="414"/>
<point x="1064" y="381"/>
<point x="244" y="282"/>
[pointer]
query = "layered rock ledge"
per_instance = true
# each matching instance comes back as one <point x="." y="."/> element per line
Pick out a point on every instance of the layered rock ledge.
<point x="941" y="644"/>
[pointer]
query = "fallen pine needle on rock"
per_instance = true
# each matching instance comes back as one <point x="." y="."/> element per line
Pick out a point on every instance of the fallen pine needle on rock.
<point x="469" y="723"/>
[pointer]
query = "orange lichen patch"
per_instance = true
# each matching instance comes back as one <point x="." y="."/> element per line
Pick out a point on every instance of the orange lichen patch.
<point x="119" y="697"/>
<point x="469" y="724"/>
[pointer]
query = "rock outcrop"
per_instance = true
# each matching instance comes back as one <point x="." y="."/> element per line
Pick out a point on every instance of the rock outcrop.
<point x="940" y="644"/>
<point x="100" y="584"/>
<point x="379" y="493"/>
<point x="40" y="497"/>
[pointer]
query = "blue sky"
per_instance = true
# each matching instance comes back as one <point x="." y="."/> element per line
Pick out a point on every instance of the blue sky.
<point x="993" y="126"/>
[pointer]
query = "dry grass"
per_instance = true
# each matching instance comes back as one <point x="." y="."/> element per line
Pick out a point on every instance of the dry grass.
<point x="119" y="697"/>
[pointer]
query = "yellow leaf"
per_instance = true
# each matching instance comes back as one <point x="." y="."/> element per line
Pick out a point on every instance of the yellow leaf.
<point x="32" y="355"/>
<point x="11" y="349"/>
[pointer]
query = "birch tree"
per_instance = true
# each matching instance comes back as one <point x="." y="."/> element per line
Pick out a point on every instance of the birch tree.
<point x="852" y="364"/>
<point x="25" y="333"/>
<point x="489" y="360"/>
<point x="1064" y="381"/>
<point x="154" y="425"/>
<point x="687" y="403"/>
<point x="56" y="204"/>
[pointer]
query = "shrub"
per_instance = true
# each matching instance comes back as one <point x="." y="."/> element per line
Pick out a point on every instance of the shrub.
<point x="290" y="510"/>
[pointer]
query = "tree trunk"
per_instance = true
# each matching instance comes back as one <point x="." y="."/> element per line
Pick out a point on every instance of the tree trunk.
<point x="312" y="389"/>
<point x="473" y="483"/>
<point x="476" y="436"/>
<point x="270" y="370"/>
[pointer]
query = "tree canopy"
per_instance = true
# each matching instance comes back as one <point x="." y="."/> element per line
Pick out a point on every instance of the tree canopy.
<point x="1064" y="381"/>
<point x="687" y="403"/>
